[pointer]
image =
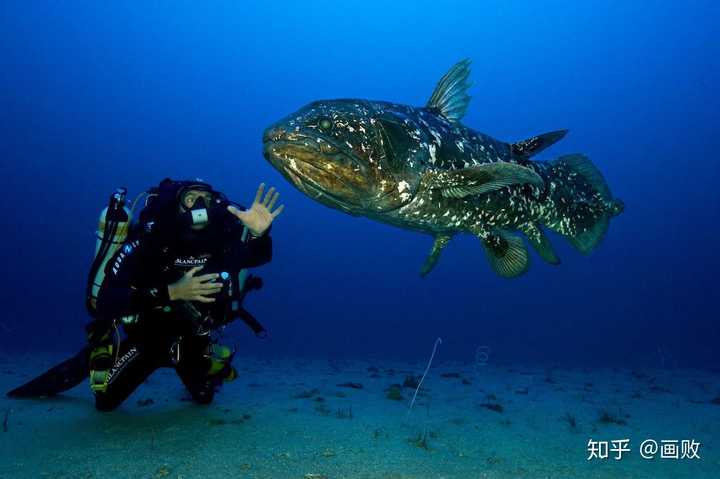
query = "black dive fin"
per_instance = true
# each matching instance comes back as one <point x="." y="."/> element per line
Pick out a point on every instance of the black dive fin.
<point x="450" y="98"/>
<point x="507" y="253"/>
<point x="440" y="243"/>
<point x="57" y="379"/>
<point x="480" y="179"/>
<point x="540" y="242"/>
<point x="536" y="144"/>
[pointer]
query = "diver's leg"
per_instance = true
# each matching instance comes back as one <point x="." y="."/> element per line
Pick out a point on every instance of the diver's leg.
<point x="194" y="369"/>
<point x="132" y="366"/>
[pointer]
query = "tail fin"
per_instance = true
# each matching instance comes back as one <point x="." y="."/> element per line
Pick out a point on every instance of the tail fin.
<point x="587" y="240"/>
<point x="581" y="165"/>
<point x="588" y="212"/>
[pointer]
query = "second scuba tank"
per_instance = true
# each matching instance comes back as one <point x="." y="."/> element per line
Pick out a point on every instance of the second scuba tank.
<point x="113" y="227"/>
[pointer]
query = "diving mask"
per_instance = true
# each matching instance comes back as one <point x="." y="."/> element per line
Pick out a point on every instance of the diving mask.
<point x="199" y="204"/>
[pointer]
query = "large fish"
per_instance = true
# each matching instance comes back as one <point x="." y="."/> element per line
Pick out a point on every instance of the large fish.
<point x="421" y="169"/>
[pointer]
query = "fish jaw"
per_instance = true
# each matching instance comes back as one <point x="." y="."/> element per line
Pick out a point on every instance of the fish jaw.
<point x="318" y="169"/>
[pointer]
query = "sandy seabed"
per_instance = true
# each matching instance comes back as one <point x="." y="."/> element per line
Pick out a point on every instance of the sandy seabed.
<point x="303" y="419"/>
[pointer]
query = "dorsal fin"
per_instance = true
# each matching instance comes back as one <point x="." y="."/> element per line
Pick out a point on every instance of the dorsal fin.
<point x="536" y="144"/>
<point x="450" y="98"/>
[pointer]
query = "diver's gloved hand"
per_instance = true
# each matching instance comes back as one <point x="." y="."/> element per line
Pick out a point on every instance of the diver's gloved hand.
<point x="195" y="288"/>
<point x="260" y="215"/>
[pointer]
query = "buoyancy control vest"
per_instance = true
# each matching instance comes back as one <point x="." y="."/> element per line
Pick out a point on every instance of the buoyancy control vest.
<point x="116" y="228"/>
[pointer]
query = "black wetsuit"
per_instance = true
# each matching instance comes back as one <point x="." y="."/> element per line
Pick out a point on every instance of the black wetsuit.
<point x="159" y="332"/>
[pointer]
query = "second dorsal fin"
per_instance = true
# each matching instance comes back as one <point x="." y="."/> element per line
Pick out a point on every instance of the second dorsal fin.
<point x="536" y="144"/>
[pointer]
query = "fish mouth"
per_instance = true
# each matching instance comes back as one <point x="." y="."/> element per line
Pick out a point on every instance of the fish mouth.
<point x="302" y="161"/>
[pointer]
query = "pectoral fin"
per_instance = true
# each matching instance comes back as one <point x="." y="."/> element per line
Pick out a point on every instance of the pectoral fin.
<point x="507" y="253"/>
<point x="540" y="242"/>
<point x="481" y="179"/>
<point x="440" y="243"/>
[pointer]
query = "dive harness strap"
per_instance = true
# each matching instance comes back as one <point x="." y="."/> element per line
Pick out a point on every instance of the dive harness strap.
<point x="246" y="282"/>
<point x="237" y="311"/>
<point x="243" y="314"/>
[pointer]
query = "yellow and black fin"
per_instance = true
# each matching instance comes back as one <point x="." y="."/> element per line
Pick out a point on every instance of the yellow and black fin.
<point x="440" y="243"/>
<point x="480" y="179"/>
<point x="506" y="253"/>
<point x="539" y="241"/>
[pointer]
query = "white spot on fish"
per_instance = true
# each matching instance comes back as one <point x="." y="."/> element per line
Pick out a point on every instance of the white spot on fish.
<point x="460" y="146"/>
<point x="402" y="186"/>
<point x="432" y="148"/>
<point x="437" y="136"/>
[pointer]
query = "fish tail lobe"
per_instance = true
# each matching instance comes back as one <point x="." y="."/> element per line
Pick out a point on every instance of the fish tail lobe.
<point x="583" y="202"/>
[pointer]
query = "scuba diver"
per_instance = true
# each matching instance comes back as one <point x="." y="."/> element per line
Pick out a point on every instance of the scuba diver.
<point x="170" y="282"/>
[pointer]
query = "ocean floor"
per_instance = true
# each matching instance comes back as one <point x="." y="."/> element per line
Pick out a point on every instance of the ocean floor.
<point x="318" y="419"/>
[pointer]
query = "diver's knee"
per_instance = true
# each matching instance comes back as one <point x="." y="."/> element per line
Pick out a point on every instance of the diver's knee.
<point x="106" y="404"/>
<point x="203" y="398"/>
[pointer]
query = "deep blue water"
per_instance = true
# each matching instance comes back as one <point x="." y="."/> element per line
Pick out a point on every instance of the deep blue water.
<point x="95" y="95"/>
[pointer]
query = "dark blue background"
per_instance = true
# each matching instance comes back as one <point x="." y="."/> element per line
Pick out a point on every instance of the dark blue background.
<point x="94" y="95"/>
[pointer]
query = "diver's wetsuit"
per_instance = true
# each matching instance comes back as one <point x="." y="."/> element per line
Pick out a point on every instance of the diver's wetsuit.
<point x="160" y="333"/>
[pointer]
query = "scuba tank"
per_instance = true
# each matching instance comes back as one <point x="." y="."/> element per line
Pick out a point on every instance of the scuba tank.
<point x="113" y="228"/>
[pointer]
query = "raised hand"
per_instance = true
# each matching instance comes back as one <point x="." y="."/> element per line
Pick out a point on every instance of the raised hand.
<point x="260" y="215"/>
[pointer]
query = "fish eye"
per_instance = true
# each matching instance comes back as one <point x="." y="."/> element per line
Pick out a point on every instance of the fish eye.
<point x="325" y="124"/>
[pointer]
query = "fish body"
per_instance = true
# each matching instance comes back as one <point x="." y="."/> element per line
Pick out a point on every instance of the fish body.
<point x="421" y="169"/>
